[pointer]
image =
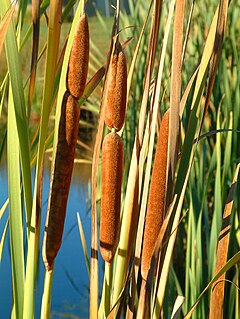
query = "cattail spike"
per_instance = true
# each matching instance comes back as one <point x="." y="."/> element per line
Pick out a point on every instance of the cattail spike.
<point x="156" y="200"/>
<point x="115" y="92"/>
<point x="79" y="57"/>
<point x="112" y="167"/>
<point x="61" y="179"/>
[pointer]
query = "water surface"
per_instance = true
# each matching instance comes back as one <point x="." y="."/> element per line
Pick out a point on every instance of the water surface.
<point x="70" y="291"/>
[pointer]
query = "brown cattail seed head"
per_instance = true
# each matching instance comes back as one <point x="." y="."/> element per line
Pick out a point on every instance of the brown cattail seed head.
<point x="156" y="200"/>
<point x="112" y="167"/>
<point x="61" y="178"/>
<point x="78" y="61"/>
<point x="116" y="90"/>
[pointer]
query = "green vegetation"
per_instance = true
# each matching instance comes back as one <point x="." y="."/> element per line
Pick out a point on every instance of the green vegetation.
<point x="182" y="56"/>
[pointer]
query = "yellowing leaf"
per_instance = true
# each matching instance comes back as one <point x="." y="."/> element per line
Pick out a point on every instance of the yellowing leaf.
<point x="4" y="23"/>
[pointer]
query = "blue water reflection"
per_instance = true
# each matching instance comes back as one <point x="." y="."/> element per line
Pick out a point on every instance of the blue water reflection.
<point x="70" y="290"/>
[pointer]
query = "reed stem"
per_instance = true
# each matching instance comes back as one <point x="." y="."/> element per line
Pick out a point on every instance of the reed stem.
<point x="46" y="299"/>
<point x="108" y="285"/>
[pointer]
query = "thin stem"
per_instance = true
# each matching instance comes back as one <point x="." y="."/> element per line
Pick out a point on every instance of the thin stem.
<point x="105" y="305"/>
<point x="108" y="284"/>
<point x="83" y="6"/>
<point x="117" y="16"/>
<point x="46" y="299"/>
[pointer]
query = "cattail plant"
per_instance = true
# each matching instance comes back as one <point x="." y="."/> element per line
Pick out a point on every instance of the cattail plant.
<point x="112" y="168"/>
<point x="61" y="178"/>
<point x="78" y="61"/>
<point x="157" y="196"/>
<point x="67" y="138"/>
<point x="116" y="89"/>
<point x="196" y="186"/>
<point x="114" y="106"/>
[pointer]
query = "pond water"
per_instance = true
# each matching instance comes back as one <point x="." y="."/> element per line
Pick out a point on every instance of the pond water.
<point x="70" y="290"/>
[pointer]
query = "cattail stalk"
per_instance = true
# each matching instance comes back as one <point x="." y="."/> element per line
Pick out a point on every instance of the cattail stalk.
<point x="61" y="178"/>
<point x="112" y="167"/>
<point x="46" y="299"/>
<point x="156" y="200"/>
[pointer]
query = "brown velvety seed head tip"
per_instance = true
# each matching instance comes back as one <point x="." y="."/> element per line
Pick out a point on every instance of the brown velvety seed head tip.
<point x="79" y="57"/>
<point x="112" y="168"/>
<point x="61" y="179"/>
<point x="116" y="90"/>
<point x="156" y="200"/>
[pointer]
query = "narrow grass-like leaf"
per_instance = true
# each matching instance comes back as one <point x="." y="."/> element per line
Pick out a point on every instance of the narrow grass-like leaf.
<point x="188" y="259"/>
<point x="199" y="259"/>
<point x="2" y="241"/>
<point x="93" y="310"/>
<point x="4" y="23"/>
<point x="19" y="106"/>
<point x="217" y="293"/>
<point x="177" y="307"/>
<point x="174" y="121"/>
<point x="237" y="229"/>
<point x="234" y="260"/>
<point x="191" y="271"/>
<point x="221" y="24"/>
<point x="135" y="55"/>
<point x="3" y="90"/>
<point x="51" y="61"/>
<point x="15" y="209"/>
<point x="168" y="255"/>
<point x="35" y="44"/>
<point x="166" y="263"/>
<point x="187" y="91"/>
<point x="130" y="213"/>
<point x="136" y="52"/>
<point x="68" y="8"/>
<point x="213" y="132"/>
<point x="187" y="31"/>
<point x="176" y="279"/>
<point x="217" y="213"/>
<point x="83" y="241"/>
<point x="92" y="84"/>
<point x="3" y="208"/>
<point x="3" y="142"/>
<point x="151" y="142"/>
<point x="146" y="285"/>
<point x="96" y="57"/>
<point x="227" y="153"/>
<point x="21" y="14"/>
<point x="195" y="105"/>
<point x="94" y="239"/>
<point x="143" y="310"/>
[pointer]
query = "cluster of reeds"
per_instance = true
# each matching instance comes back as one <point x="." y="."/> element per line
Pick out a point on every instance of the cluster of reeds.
<point x="150" y="222"/>
<point x="169" y="228"/>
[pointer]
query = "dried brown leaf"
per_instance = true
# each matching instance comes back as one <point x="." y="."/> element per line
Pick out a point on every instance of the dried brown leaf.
<point x="217" y="293"/>
<point x="174" y="123"/>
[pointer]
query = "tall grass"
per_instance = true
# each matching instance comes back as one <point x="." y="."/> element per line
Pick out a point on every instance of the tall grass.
<point x="182" y="57"/>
